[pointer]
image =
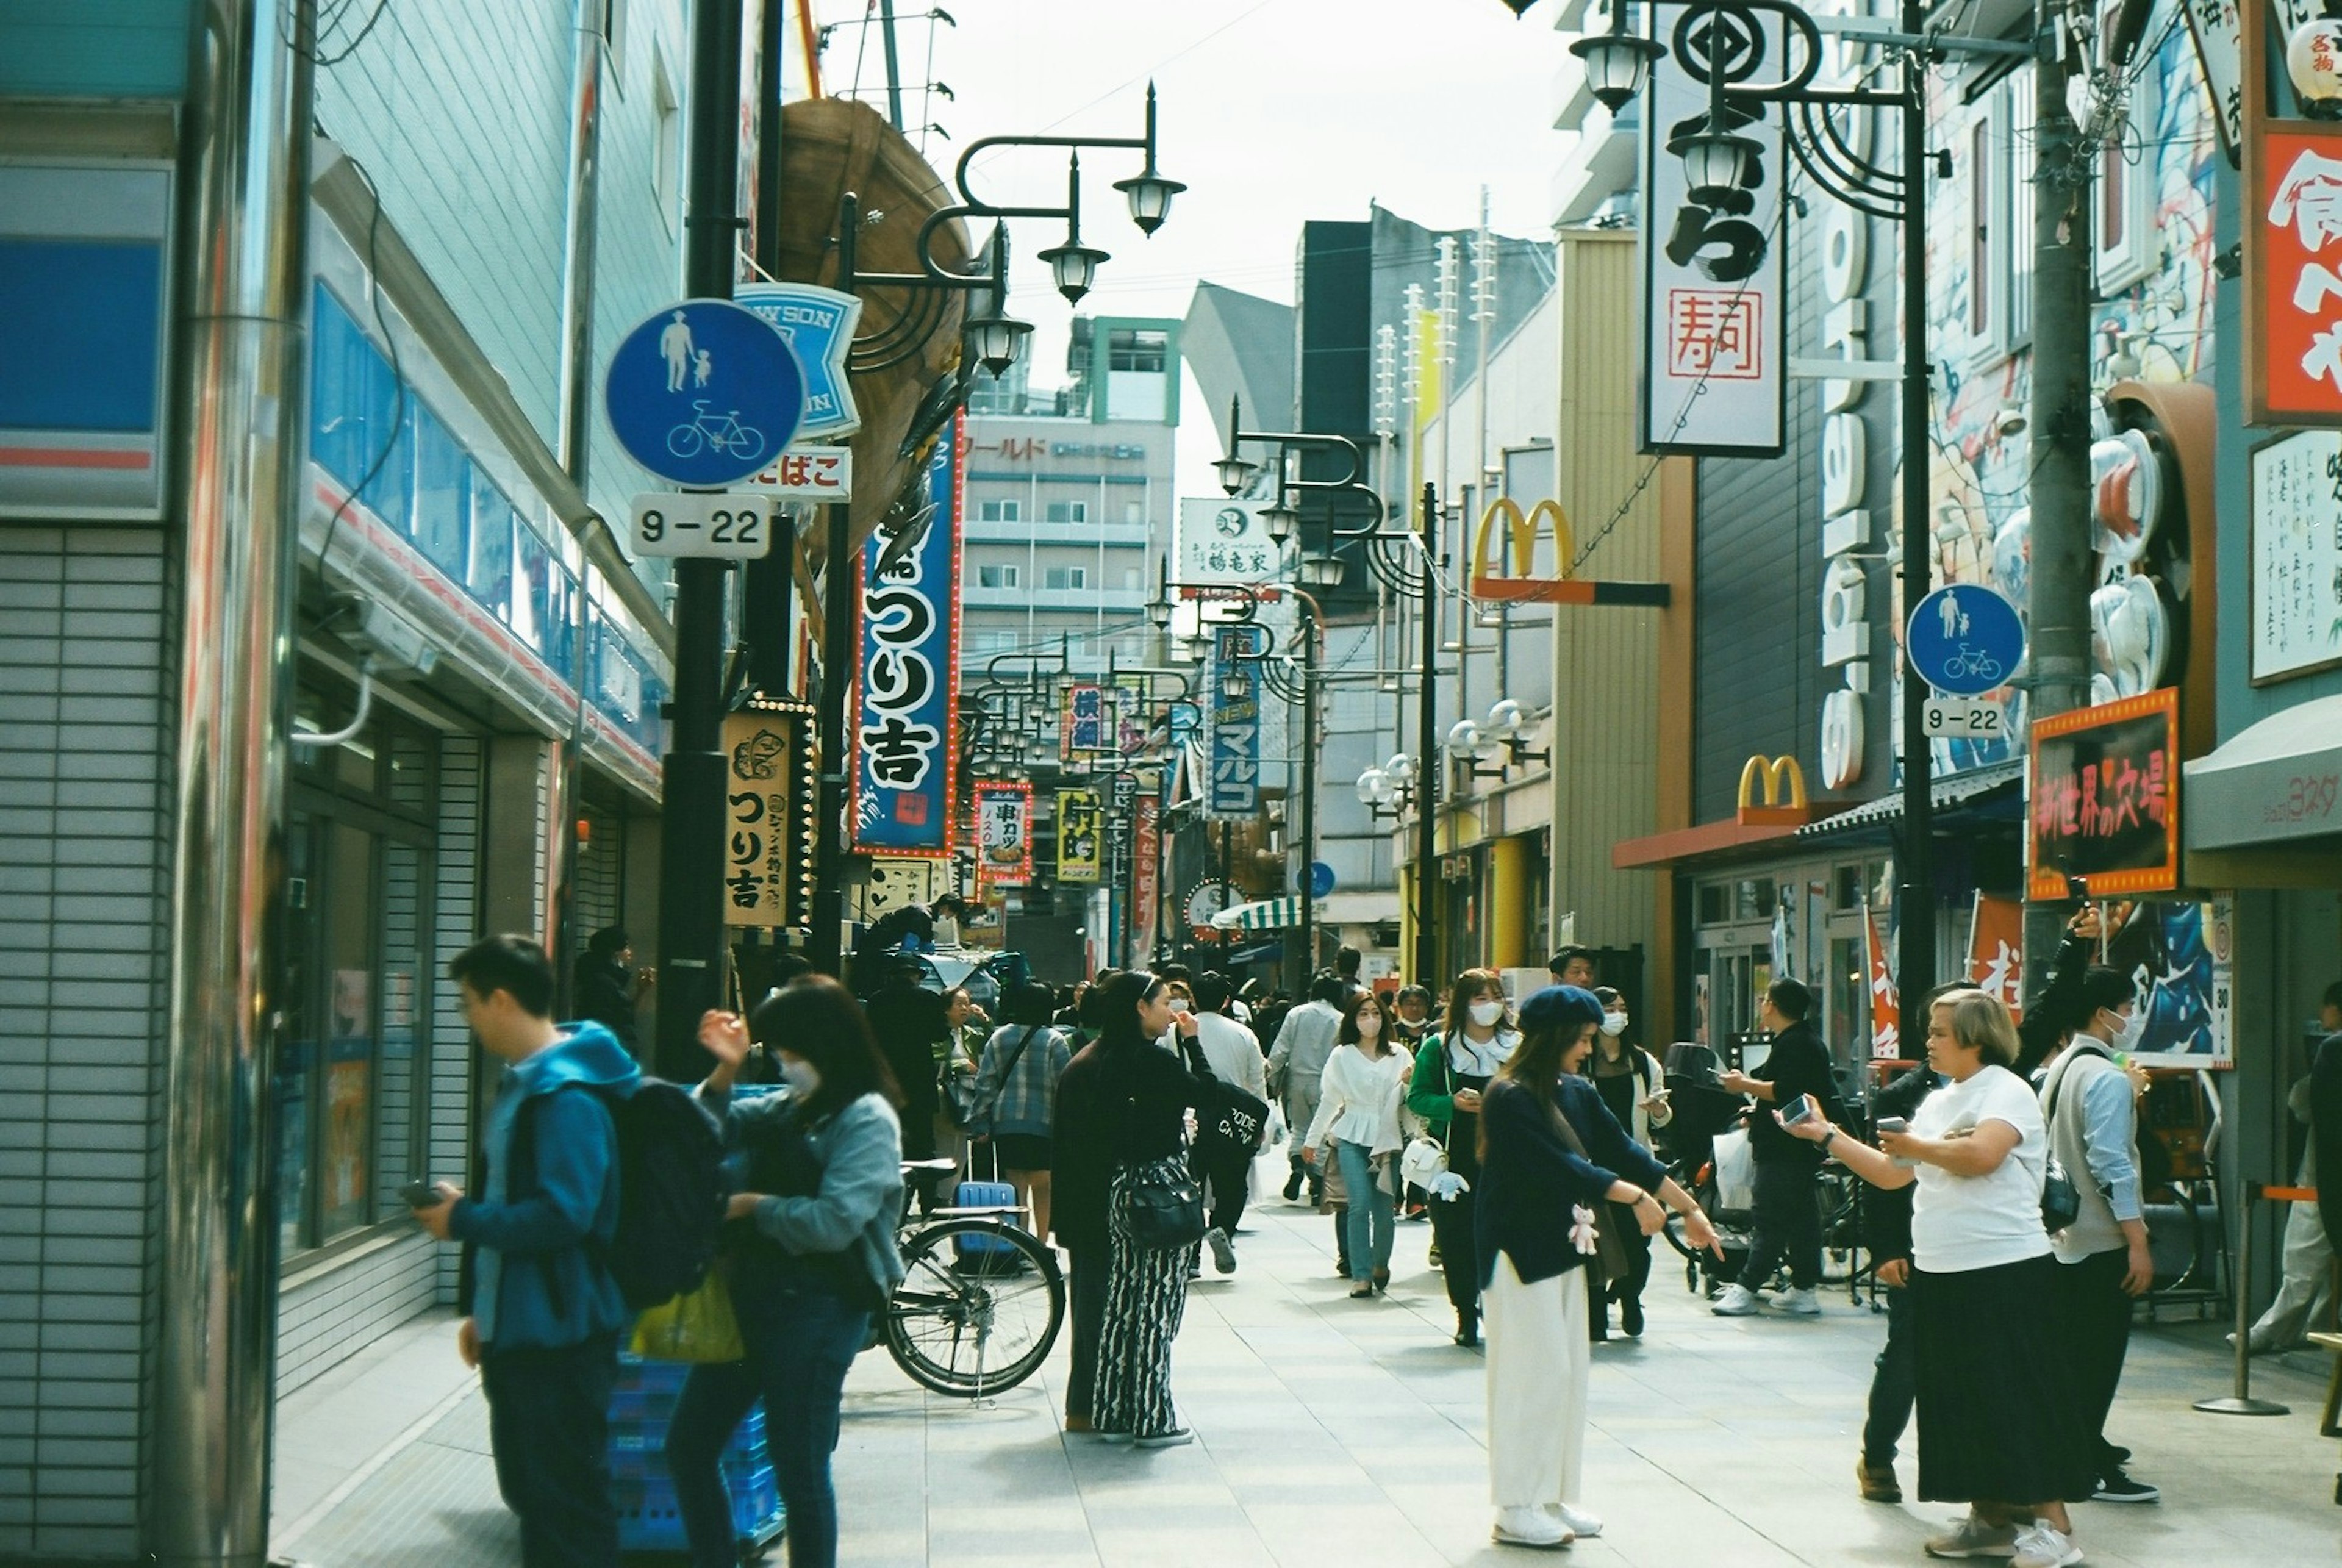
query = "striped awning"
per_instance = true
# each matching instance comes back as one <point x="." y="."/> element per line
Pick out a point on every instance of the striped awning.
<point x="1265" y="914"/>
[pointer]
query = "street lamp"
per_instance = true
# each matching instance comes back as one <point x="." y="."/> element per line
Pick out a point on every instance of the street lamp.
<point x="1723" y="44"/>
<point x="1234" y="472"/>
<point x="1279" y="519"/>
<point x="1320" y="571"/>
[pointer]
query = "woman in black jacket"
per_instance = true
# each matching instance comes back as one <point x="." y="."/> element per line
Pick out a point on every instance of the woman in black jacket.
<point x="1081" y="1173"/>
<point x="1551" y="1158"/>
<point x="1137" y="1097"/>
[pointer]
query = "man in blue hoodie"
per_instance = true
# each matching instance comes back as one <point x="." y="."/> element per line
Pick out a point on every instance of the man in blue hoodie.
<point x="545" y="1312"/>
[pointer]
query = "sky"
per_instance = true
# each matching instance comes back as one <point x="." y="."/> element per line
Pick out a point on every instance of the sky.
<point x="1273" y="112"/>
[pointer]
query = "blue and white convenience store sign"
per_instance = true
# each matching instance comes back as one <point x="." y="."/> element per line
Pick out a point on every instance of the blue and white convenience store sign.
<point x="84" y="291"/>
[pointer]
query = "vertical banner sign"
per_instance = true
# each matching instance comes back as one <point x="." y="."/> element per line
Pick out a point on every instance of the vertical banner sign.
<point x="1715" y="376"/>
<point x="1886" y="1010"/>
<point x="906" y="730"/>
<point x="1089" y="727"/>
<point x="2292" y="223"/>
<point x="1146" y="873"/>
<point x="1235" y="789"/>
<point x="768" y="805"/>
<point x="1004" y="832"/>
<point x="1996" y="950"/>
<point x="1081" y="835"/>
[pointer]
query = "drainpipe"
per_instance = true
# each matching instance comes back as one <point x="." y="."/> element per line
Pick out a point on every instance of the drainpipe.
<point x="243" y="189"/>
<point x="570" y="449"/>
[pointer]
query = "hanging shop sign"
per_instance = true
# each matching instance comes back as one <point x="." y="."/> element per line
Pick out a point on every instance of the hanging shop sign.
<point x="1087" y="725"/>
<point x="1204" y="901"/>
<point x="1996" y="950"/>
<point x="768" y="813"/>
<point x="1715" y="376"/>
<point x="1004" y="831"/>
<point x="1773" y="793"/>
<point x="1510" y="574"/>
<point x="2297" y="548"/>
<point x="2105" y="806"/>
<point x="2292" y="223"/>
<point x="1145" y="873"/>
<point x="1225" y="541"/>
<point x="1234" y="788"/>
<point x="893" y="882"/>
<point x="811" y="474"/>
<point x="1885" y="1007"/>
<point x="1081" y="835"/>
<point x="819" y="324"/>
<point x="906" y="729"/>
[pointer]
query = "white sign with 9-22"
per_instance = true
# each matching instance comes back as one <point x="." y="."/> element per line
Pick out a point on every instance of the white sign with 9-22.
<point x="723" y="524"/>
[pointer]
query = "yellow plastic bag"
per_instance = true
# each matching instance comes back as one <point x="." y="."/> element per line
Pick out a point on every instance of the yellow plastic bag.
<point x="696" y="1326"/>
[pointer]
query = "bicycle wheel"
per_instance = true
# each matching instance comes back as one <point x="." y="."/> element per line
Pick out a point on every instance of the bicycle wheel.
<point x="747" y="441"/>
<point x="685" y="439"/>
<point x="975" y="1326"/>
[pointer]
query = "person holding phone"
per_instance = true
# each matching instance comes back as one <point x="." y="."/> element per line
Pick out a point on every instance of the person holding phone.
<point x="1788" y="1214"/>
<point x="1635" y="1089"/>
<point x="1999" y="1426"/>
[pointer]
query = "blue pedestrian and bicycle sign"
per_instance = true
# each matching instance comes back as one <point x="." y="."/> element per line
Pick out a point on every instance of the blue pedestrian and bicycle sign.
<point x="1965" y="640"/>
<point x="705" y="392"/>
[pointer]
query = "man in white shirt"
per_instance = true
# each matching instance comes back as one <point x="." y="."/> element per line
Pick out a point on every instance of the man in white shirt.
<point x="1296" y="1068"/>
<point x="1233" y="1054"/>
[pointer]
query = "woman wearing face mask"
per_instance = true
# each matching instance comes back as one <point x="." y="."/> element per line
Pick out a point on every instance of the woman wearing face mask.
<point x="1451" y="1070"/>
<point x="1551" y="1157"/>
<point x="1634" y="1088"/>
<point x="810" y="1249"/>
<point x="1138" y="1095"/>
<point x="1357" y="1111"/>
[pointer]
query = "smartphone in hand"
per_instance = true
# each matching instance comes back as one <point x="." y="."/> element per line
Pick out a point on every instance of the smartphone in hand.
<point x="1802" y="1111"/>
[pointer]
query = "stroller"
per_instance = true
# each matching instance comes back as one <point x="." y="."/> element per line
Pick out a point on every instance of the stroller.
<point x="1703" y="1112"/>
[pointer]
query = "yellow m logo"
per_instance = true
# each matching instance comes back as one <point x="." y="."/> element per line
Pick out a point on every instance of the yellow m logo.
<point x="1776" y="778"/>
<point x="1521" y="531"/>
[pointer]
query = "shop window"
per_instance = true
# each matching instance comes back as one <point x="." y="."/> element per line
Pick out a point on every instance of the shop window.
<point x="1133" y="349"/>
<point x="1715" y="904"/>
<point x="1849" y="1000"/>
<point x="443" y="483"/>
<point x="489" y="575"/>
<point x="1846" y="888"/>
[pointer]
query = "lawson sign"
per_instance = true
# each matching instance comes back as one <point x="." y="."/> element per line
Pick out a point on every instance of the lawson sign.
<point x="819" y="323"/>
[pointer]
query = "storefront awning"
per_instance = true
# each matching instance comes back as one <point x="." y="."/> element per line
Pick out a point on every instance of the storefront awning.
<point x="1265" y="914"/>
<point x="1976" y="787"/>
<point x="2274" y="782"/>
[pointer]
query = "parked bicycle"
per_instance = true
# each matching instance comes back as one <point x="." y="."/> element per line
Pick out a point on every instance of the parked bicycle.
<point x="981" y="1298"/>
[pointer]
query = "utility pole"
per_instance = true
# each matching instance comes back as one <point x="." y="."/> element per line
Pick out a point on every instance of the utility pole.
<point x="1426" y="742"/>
<point x="691" y="812"/>
<point x="1308" y="824"/>
<point x="767" y="618"/>
<point x="2058" y="599"/>
<point x="1914" y="946"/>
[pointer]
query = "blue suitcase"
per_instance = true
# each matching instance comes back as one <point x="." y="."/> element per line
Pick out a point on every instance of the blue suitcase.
<point x="975" y="1194"/>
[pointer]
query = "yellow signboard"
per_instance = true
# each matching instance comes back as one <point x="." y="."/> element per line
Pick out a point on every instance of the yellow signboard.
<point x="768" y="803"/>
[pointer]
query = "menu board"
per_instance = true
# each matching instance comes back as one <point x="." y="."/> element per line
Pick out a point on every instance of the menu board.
<point x="2297" y="544"/>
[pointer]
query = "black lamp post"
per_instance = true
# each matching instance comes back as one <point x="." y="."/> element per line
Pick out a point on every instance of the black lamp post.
<point x="1721" y="42"/>
<point x="994" y="339"/>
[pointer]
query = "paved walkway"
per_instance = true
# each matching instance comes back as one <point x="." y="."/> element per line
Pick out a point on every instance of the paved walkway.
<point x="1334" y="1431"/>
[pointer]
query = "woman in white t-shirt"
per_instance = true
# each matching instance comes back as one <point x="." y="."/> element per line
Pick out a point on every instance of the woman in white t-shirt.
<point x="1357" y="1117"/>
<point x="1996" y="1430"/>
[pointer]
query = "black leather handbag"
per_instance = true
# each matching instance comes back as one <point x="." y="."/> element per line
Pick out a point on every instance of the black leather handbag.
<point x="1163" y="1207"/>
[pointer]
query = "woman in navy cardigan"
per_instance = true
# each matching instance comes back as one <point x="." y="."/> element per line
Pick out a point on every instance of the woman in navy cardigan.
<point x="1541" y="1200"/>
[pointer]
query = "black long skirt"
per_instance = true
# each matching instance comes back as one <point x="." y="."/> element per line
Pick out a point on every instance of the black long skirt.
<point x="1997" y="1420"/>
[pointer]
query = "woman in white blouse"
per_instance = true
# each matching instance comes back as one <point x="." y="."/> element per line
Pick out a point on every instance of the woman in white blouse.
<point x="1997" y="1430"/>
<point x="1358" y="1107"/>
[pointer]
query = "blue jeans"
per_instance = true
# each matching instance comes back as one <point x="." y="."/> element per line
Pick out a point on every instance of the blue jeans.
<point x="1370" y="1209"/>
<point x="799" y="1344"/>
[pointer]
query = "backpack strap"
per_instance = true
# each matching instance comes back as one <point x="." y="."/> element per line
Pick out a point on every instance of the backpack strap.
<point x="520" y="1179"/>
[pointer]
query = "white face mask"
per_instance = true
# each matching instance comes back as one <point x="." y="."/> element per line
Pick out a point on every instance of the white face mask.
<point x="1486" y="1013"/>
<point x="800" y="1074"/>
<point x="1614" y="1024"/>
<point x="2129" y="1030"/>
<point x="1181" y="1004"/>
<point x="1369" y="1025"/>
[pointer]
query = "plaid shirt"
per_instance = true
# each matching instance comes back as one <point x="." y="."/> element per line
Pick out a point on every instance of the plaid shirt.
<point x="1027" y="1101"/>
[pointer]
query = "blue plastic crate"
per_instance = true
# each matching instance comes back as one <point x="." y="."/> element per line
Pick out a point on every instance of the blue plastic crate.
<point x="650" y="1521"/>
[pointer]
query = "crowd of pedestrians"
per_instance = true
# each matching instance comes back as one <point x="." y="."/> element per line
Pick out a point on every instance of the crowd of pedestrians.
<point x="2007" y="1235"/>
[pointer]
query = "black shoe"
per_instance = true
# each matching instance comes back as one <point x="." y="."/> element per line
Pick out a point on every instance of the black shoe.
<point x="1293" y="1187"/>
<point x="1630" y="1317"/>
<point x="1467" y="1330"/>
<point x="2119" y="1488"/>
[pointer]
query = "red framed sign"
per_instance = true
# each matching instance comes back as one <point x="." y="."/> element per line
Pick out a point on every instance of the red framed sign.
<point x="1004" y="832"/>
<point x="2292" y="222"/>
<point x="2104" y="800"/>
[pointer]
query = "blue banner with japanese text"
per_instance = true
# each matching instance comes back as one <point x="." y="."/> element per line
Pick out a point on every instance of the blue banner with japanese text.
<point x="905" y="730"/>
<point x="1235" y="789"/>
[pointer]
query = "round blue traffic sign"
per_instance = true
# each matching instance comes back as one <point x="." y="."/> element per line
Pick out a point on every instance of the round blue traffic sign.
<point x="1965" y="640"/>
<point x="1321" y="879"/>
<point x="704" y="392"/>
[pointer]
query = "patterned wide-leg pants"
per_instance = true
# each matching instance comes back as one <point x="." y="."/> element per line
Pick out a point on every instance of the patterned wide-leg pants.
<point x="1145" y="1296"/>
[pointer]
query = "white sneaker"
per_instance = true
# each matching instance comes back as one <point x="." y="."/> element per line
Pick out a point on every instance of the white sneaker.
<point x="2042" y="1545"/>
<point x="1804" y="1303"/>
<point x="1530" y="1527"/>
<point x="1972" y="1537"/>
<point x="1585" y="1527"/>
<point x="1737" y="1301"/>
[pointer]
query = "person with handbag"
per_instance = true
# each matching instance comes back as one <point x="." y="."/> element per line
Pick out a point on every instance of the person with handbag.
<point x="1559" y="1179"/>
<point x="1357" y="1113"/>
<point x="810" y="1253"/>
<point x="1452" y="1068"/>
<point x="1139" y="1094"/>
<point x="1081" y="1176"/>
<point x="1224" y="1163"/>
<point x="1015" y="1105"/>
<point x="1635" y="1089"/>
<point x="1999" y="1426"/>
<point x="2104" y="1264"/>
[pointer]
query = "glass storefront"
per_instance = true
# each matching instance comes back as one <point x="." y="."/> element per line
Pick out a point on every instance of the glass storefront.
<point x="352" y="1055"/>
<point x="1813" y="916"/>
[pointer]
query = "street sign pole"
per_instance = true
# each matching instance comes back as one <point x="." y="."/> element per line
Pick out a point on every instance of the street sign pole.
<point x="691" y="803"/>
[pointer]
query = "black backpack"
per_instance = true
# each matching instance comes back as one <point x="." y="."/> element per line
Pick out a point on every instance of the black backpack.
<point x="672" y="1192"/>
